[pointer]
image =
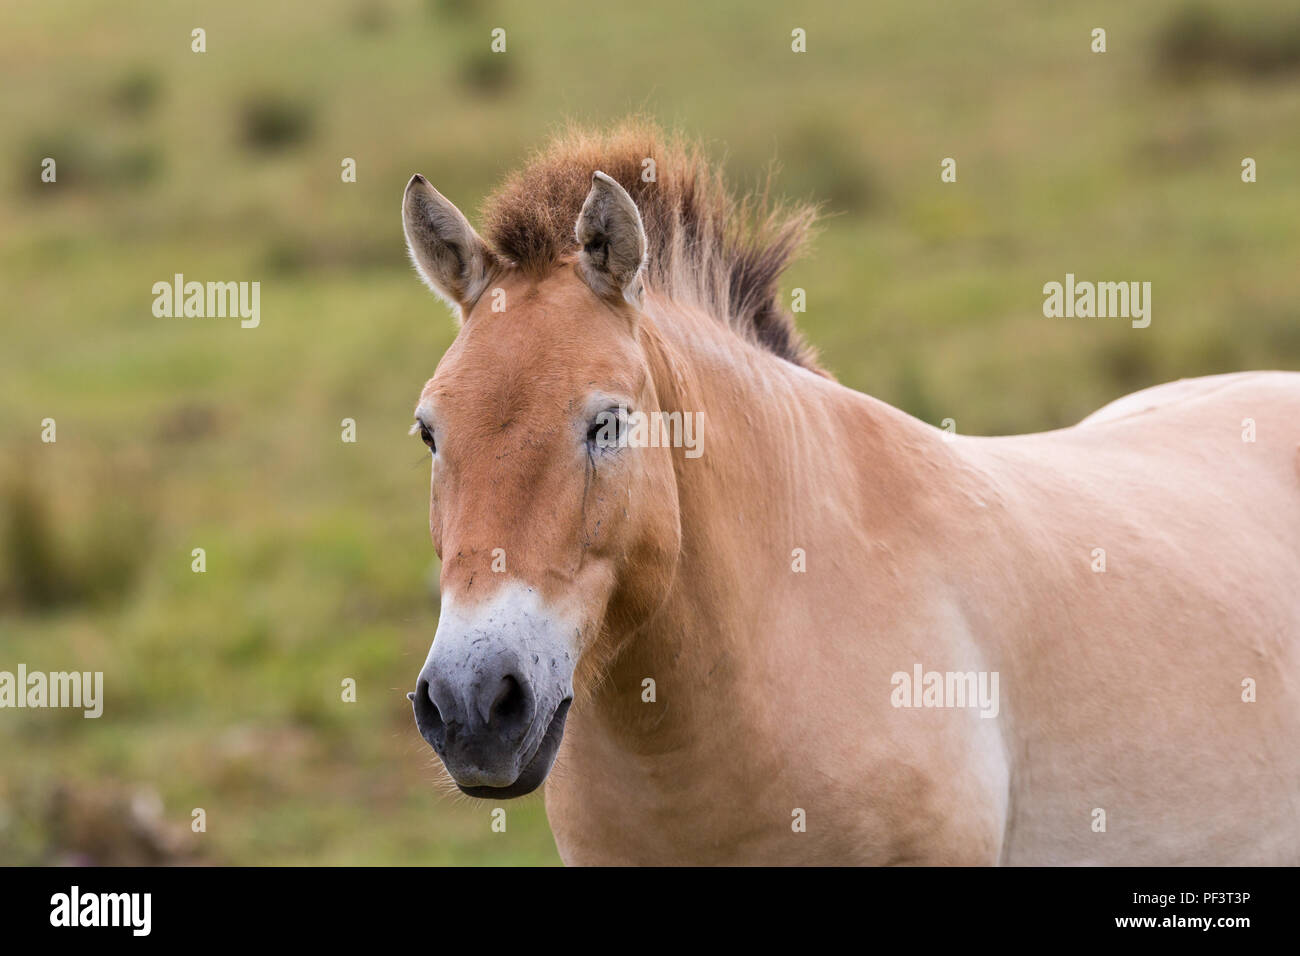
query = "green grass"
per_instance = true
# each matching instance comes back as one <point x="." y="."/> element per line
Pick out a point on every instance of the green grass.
<point x="223" y="689"/>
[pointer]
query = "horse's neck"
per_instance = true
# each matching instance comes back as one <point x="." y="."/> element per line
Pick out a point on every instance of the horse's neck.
<point x="793" y="468"/>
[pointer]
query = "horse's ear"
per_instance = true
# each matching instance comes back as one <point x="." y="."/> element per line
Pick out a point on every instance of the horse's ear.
<point x="613" y="241"/>
<point x="446" y="250"/>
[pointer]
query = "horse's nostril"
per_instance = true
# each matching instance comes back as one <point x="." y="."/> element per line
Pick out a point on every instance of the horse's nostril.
<point x="509" y="704"/>
<point x="427" y="716"/>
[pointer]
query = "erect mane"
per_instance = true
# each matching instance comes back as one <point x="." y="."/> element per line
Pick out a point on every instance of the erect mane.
<point x="705" y="244"/>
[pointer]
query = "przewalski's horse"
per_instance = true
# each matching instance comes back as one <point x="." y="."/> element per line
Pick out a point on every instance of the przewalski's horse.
<point x="738" y="631"/>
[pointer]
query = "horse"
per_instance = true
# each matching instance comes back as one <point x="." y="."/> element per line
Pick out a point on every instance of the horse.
<point x="747" y="656"/>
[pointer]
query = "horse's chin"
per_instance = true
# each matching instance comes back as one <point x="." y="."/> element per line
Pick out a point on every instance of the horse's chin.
<point x="537" y="768"/>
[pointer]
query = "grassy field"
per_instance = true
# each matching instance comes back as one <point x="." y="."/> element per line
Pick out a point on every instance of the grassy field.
<point x="223" y="688"/>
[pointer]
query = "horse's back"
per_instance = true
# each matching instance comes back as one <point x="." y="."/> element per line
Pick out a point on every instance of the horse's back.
<point x="1220" y="452"/>
<point x="1159" y="397"/>
<point x="1196" y="455"/>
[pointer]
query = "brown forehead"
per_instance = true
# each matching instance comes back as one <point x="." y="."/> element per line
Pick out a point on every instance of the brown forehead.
<point x="554" y="342"/>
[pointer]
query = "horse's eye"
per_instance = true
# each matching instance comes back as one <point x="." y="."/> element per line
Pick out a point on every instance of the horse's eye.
<point x="606" y="430"/>
<point x="427" y="437"/>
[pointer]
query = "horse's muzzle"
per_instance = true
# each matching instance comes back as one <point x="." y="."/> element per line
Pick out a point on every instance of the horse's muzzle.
<point x="492" y="700"/>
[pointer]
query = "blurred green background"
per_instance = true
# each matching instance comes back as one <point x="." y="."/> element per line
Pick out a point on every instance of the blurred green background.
<point x="223" y="688"/>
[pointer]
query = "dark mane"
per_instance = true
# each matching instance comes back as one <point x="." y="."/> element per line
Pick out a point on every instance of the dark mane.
<point x="706" y="245"/>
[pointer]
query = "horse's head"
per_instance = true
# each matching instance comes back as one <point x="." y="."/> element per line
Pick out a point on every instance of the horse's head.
<point x="551" y="530"/>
